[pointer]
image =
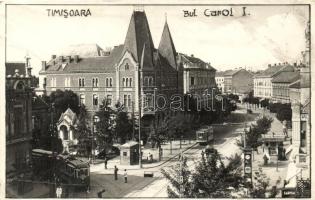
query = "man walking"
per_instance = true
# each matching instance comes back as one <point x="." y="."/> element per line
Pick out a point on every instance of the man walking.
<point x="105" y="162"/>
<point x="115" y="172"/>
<point x="125" y="176"/>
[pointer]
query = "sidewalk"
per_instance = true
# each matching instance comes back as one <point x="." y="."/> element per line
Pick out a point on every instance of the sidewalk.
<point x="275" y="170"/>
<point x="167" y="155"/>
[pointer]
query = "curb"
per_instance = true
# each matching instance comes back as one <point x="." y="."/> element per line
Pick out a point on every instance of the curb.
<point x="165" y="161"/>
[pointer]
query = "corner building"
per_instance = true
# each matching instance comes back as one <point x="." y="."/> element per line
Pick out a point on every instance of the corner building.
<point x="122" y="74"/>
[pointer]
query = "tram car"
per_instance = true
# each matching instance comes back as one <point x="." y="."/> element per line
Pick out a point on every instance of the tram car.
<point x="204" y="135"/>
<point x="67" y="169"/>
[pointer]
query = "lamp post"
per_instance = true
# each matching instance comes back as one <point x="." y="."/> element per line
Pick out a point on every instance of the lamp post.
<point x="140" y="153"/>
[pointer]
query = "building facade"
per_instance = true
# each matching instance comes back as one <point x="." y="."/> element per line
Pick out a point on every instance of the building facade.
<point x="263" y="81"/>
<point x="18" y="118"/>
<point x="300" y="98"/>
<point x="238" y="81"/>
<point x="219" y="79"/>
<point x="280" y="86"/>
<point x="198" y="76"/>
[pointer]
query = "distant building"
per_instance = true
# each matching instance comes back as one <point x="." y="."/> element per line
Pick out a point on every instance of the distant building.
<point x="18" y="118"/>
<point x="219" y="79"/>
<point x="262" y="81"/>
<point x="238" y="81"/>
<point x="198" y="76"/>
<point x="280" y="86"/>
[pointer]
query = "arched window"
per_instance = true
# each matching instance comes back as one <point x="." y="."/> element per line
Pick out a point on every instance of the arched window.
<point x="110" y="82"/>
<point x="123" y="82"/>
<point x="126" y="82"/>
<point x="151" y="81"/>
<point x="126" y="66"/>
<point x="130" y="82"/>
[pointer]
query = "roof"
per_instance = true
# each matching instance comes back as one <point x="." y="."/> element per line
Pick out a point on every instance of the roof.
<point x="273" y="138"/>
<point x="83" y="50"/>
<point x="78" y="163"/>
<point x="231" y="72"/>
<point x="88" y="64"/>
<point x="296" y="84"/>
<point x="273" y="70"/>
<point x="138" y="39"/>
<point x="286" y="77"/>
<point x="10" y="68"/>
<point x="196" y="62"/>
<point x="129" y="144"/>
<point x="69" y="113"/>
<point x="220" y="73"/>
<point x="166" y="46"/>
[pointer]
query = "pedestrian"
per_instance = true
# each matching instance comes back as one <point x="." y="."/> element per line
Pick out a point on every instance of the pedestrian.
<point x="149" y="155"/>
<point x="125" y="176"/>
<point x="105" y="162"/>
<point x="115" y="172"/>
<point x="58" y="192"/>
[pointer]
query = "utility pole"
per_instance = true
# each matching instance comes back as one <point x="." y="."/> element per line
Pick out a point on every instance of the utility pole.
<point x="140" y="153"/>
<point x="133" y="120"/>
<point x="181" y="178"/>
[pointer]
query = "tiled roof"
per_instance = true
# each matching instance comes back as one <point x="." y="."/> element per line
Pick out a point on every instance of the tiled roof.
<point x="10" y="68"/>
<point x="286" y="77"/>
<point x="196" y="61"/>
<point x="167" y="48"/>
<point x="273" y="70"/>
<point x="138" y="40"/>
<point x="220" y="73"/>
<point x="83" y="50"/>
<point x="90" y="64"/>
<point x="231" y="72"/>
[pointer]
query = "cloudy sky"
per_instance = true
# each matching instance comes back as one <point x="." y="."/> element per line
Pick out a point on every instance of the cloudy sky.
<point x="269" y="34"/>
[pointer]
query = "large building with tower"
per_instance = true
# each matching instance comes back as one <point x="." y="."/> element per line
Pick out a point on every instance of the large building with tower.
<point x="126" y="72"/>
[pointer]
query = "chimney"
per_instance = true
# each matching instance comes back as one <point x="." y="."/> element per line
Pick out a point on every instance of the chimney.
<point x="53" y="56"/>
<point x="275" y="64"/>
<point x="28" y="68"/>
<point x="68" y="59"/>
<point x="60" y="58"/>
<point x="44" y="65"/>
<point x="269" y="65"/>
<point x="192" y="55"/>
<point x="76" y="58"/>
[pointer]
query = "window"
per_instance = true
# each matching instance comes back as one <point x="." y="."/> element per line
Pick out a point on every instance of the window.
<point x="94" y="82"/>
<point x="81" y="82"/>
<point x="126" y="66"/>
<point x="123" y="82"/>
<point x="53" y="82"/>
<point x="129" y="100"/>
<point x="146" y="81"/>
<point x="130" y="82"/>
<point x="125" y="100"/>
<point x="67" y="82"/>
<point x="109" y="82"/>
<point x="150" y="81"/>
<point x="192" y="80"/>
<point x="82" y="99"/>
<point x="95" y="99"/>
<point x="109" y="99"/>
<point x="126" y="83"/>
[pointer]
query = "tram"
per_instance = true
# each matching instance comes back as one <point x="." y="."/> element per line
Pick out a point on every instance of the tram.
<point x="204" y="135"/>
<point x="69" y="170"/>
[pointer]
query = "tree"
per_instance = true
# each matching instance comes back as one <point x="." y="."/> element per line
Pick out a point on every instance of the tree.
<point x="123" y="128"/>
<point x="83" y="132"/>
<point x="174" y="175"/>
<point x="210" y="179"/>
<point x="264" y="124"/>
<point x="62" y="100"/>
<point x="104" y="124"/>
<point x="284" y="112"/>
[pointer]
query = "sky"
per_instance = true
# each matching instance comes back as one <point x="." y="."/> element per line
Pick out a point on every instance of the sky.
<point x="266" y="35"/>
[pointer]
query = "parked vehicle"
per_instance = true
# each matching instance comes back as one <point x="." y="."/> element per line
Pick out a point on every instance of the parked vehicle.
<point x="68" y="169"/>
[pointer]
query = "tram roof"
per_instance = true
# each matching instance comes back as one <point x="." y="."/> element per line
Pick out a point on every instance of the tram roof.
<point x="78" y="163"/>
<point x="42" y="151"/>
